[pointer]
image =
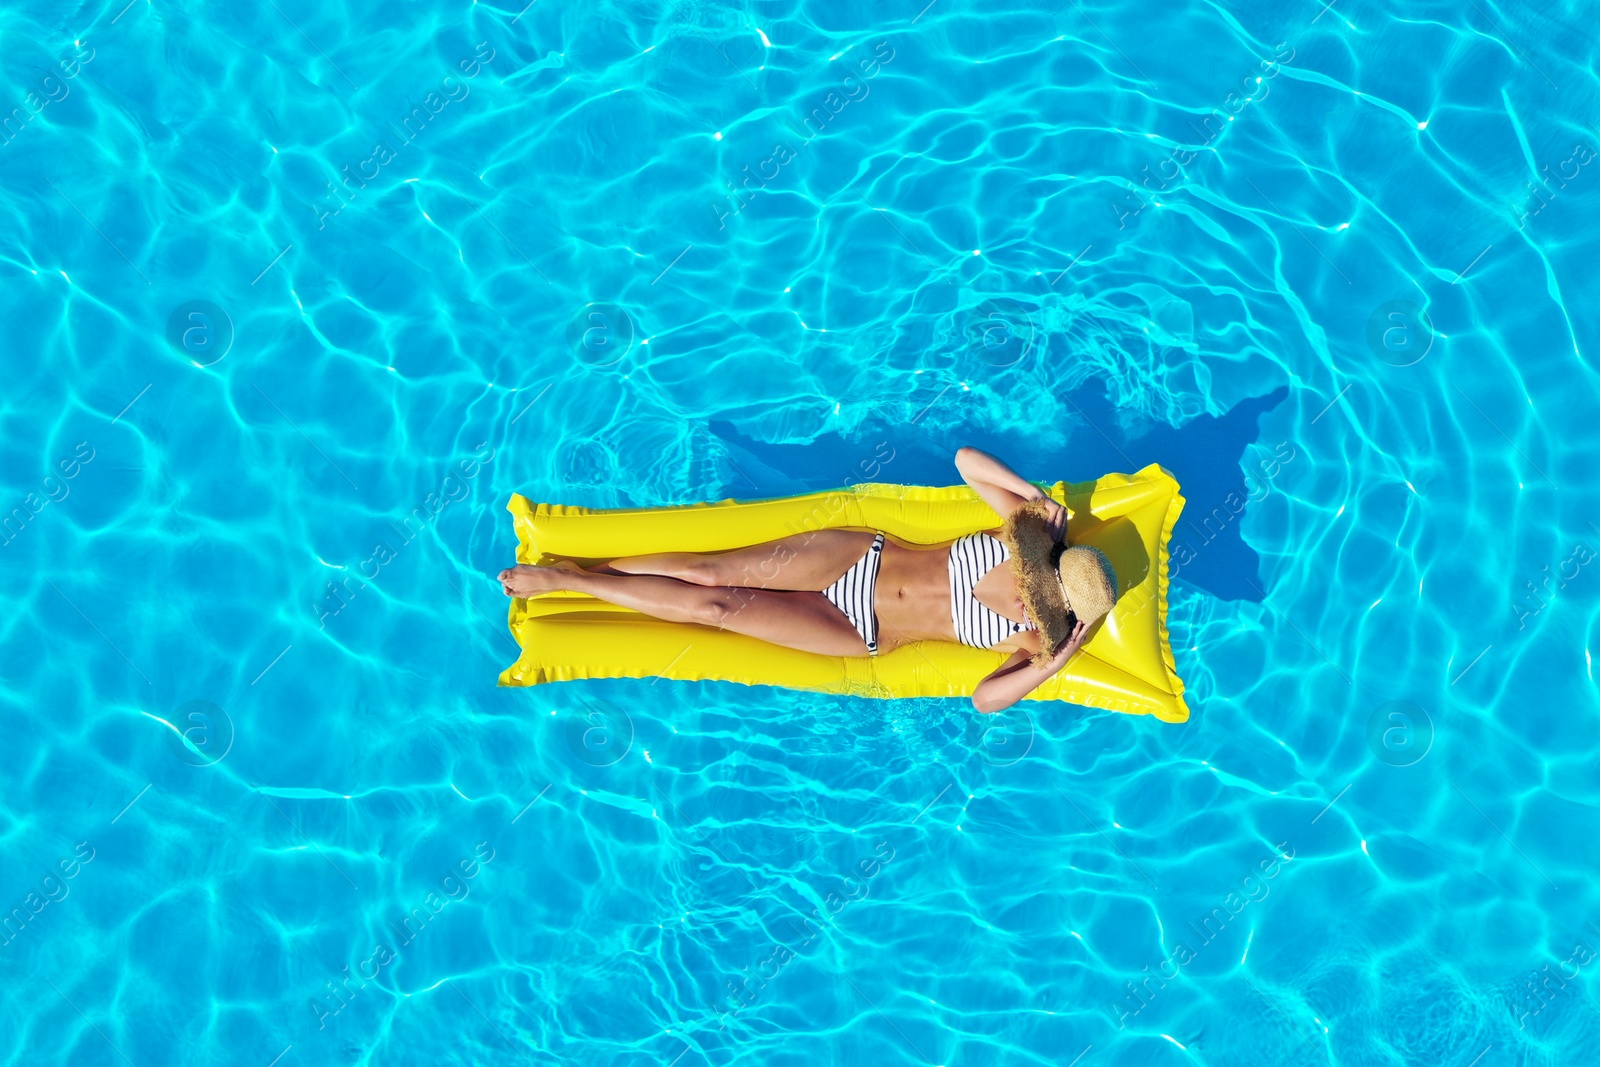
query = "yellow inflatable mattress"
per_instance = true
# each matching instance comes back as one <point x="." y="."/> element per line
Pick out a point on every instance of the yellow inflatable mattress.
<point x="1126" y="665"/>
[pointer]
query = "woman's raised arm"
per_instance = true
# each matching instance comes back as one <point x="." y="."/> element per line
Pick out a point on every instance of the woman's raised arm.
<point x="1016" y="677"/>
<point x="1001" y="487"/>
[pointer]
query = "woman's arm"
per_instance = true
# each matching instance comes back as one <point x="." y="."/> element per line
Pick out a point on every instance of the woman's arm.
<point x="1002" y="488"/>
<point x="1016" y="678"/>
<point x="982" y="470"/>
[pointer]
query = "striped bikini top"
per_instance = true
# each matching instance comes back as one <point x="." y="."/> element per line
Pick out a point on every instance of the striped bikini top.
<point x="978" y="624"/>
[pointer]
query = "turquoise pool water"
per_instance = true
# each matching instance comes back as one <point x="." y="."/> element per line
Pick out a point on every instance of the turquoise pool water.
<point x="295" y="295"/>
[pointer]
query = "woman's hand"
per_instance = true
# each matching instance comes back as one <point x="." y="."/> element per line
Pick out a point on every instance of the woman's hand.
<point x="1002" y="488"/>
<point x="1055" y="519"/>
<point x="1068" y="650"/>
<point x="1018" y="677"/>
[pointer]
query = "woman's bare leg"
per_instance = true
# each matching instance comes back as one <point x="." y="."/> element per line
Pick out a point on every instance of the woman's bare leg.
<point x="797" y="619"/>
<point x="810" y="561"/>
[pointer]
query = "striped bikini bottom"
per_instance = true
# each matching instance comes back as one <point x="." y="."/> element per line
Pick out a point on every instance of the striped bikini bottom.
<point x="852" y="594"/>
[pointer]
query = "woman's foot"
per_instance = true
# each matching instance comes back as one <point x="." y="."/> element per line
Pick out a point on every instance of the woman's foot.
<point x="525" y="581"/>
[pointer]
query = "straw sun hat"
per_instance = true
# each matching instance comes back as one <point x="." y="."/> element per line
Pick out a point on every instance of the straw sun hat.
<point x="1059" y="585"/>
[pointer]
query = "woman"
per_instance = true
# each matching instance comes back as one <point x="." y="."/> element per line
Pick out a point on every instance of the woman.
<point x="860" y="593"/>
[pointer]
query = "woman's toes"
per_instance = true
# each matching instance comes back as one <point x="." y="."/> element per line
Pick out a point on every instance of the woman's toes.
<point x="525" y="581"/>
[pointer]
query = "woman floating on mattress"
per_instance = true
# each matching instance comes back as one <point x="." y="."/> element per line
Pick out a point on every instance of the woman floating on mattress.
<point x="859" y="593"/>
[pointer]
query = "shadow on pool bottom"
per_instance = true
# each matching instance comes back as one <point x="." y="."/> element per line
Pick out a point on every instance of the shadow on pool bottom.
<point x="1206" y="456"/>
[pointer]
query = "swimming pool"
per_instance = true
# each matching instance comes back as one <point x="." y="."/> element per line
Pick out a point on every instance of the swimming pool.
<point x="297" y="295"/>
